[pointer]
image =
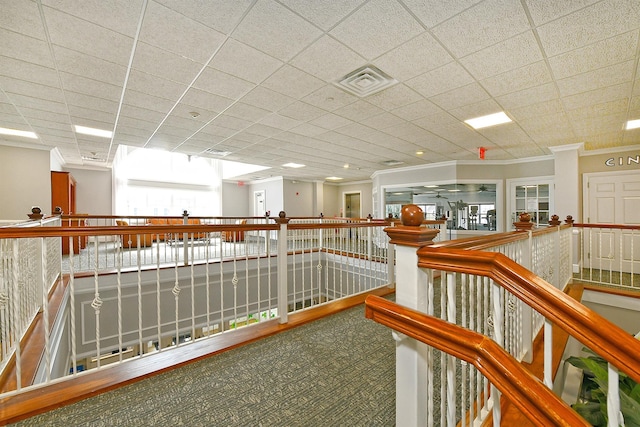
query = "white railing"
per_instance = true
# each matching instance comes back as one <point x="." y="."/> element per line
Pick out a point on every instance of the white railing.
<point x="474" y="302"/>
<point x="121" y="302"/>
<point x="609" y="254"/>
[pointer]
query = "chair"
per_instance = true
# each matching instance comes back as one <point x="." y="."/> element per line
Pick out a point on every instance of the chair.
<point x="131" y="240"/>
<point x="234" y="236"/>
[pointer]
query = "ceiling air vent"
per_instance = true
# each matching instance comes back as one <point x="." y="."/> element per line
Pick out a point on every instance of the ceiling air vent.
<point x="365" y="81"/>
<point x="217" y="153"/>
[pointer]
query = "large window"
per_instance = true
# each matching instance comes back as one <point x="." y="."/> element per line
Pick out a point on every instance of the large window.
<point x="153" y="182"/>
<point x="467" y="206"/>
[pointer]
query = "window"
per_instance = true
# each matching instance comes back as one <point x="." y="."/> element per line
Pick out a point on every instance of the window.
<point x="153" y="182"/>
<point x="533" y="196"/>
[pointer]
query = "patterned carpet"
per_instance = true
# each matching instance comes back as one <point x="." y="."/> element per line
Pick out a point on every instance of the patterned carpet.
<point x="338" y="371"/>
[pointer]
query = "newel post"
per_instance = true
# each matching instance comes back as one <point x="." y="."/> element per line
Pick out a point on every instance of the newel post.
<point x="283" y="309"/>
<point x="411" y="292"/>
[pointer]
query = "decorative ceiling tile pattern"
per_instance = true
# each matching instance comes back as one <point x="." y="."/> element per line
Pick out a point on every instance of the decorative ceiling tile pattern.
<point x="256" y="79"/>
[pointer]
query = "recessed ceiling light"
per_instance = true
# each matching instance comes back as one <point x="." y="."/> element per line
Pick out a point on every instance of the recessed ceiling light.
<point x="430" y="186"/>
<point x="346" y="166"/>
<point x="490" y="120"/>
<point x="293" y="165"/>
<point x="333" y="178"/>
<point x="419" y="153"/>
<point x="94" y="132"/>
<point x="15" y="132"/>
<point x="633" y="124"/>
<point x="455" y="190"/>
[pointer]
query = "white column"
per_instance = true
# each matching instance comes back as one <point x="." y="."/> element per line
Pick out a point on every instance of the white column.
<point x="567" y="181"/>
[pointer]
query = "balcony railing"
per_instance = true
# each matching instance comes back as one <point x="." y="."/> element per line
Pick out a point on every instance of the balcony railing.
<point x="148" y="285"/>
<point x="504" y="288"/>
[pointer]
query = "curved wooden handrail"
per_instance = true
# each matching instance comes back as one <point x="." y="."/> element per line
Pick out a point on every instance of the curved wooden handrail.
<point x="616" y="226"/>
<point x="534" y="399"/>
<point x="594" y="331"/>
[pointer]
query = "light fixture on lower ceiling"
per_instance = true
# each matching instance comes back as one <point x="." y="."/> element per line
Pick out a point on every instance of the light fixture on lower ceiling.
<point x="16" y="132"/>
<point x="632" y="124"/>
<point x="333" y="178"/>
<point x="365" y="81"/>
<point x="93" y="131"/>
<point x="293" y="165"/>
<point x="489" y="120"/>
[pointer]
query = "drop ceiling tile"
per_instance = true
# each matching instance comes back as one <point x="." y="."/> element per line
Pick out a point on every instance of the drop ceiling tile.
<point x="90" y="102"/>
<point x="91" y="67"/>
<point x="330" y="121"/>
<point x="324" y="14"/>
<point x="85" y="86"/>
<point x="21" y="102"/>
<point x="606" y="109"/>
<point x="280" y="122"/>
<point x="376" y="28"/>
<point x="329" y="98"/>
<point x="231" y="122"/>
<point x="456" y="98"/>
<point x="185" y="113"/>
<point x="416" y="110"/>
<point x="79" y="114"/>
<point x="27" y="71"/>
<point x="301" y="111"/>
<point x="201" y="100"/>
<point x="382" y="121"/>
<point x="263" y="130"/>
<point x="148" y="102"/>
<point x="243" y="61"/>
<point x="222" y="84"/>
<point x="188" y="124"/>
<point x="167" y="65"/>
<point x="221" y="15"/>
<point x="154" y="86"/>
<point x="132" y="131"/>
<point x="14" y="121"/>
<point x="275" y="30"/>
<point x="440" y="80"/>
<point x="23" y="48"/>
<point x="11" y="85"/>
<point x="403" y="63"/>
<point x="246" y="112"/>
<point x="433" y="12"/>
<point x="598" y="55"/>
<point x="599" y="125"/>
<point x="394" y="97"/>
<point x="328" y="60"/>
<point x="356" y="130"/>
<point x="307" y="129"/>
<point x="179" y="134"/>
<point x="88" y="38"/>
<point x="293" y="82"/>
<point x="30" y="113"/>
<point x="589" y="25"/>
<point x="22" y="17"/>
<point x="533" y="95"/>
<point x="544" y="108"/>
<point x="543" y="11"/>
<point x="141" y="114"/>
<point x="143" y="125"/>
<point x="485" y="24"/>
<point x="267" y="99"/>
<point x="172" y="31"/>
<point x="518" y="79"/>
<point x="510" y="54"/>
<point x="592" y="80"/>
<point x="359" y="110"/>
<point x="597" y="96"/>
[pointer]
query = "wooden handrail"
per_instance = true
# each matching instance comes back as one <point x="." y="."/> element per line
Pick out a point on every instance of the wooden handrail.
<point x="534" y="399"/>
<point x="594" y="331"/>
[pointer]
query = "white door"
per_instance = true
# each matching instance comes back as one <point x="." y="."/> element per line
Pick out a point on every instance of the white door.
<point x="612" y="198"/>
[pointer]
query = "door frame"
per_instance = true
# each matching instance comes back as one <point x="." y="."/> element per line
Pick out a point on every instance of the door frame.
<point x="586" y="215"/>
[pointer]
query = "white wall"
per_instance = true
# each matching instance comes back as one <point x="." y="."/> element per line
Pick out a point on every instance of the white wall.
<point x="366" y="201"/>
<point x="236" y="199"/>
<point x="93" y="191"/>
<point x="273" y="189"/>
<point x="298" y="198"/>
<point x="25" y="181"/>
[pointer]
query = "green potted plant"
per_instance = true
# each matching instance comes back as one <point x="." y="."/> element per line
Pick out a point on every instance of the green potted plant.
<point x="592" y="402"/>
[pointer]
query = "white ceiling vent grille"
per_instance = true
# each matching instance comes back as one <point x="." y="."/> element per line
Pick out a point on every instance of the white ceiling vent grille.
<point x="365" y="81"/>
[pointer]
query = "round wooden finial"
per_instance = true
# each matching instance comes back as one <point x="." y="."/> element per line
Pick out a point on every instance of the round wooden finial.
<point x="411" y="215"/>
<point x="569" y="219"/>
<point x="524" y="217"/>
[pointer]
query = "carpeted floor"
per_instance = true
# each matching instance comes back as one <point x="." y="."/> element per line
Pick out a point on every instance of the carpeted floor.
<point x="338" y="371"/>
